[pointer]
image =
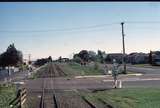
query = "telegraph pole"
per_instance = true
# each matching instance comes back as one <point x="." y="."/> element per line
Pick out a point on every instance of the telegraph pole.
<point x="29" y="57"/>
<point x="123" y="60"/>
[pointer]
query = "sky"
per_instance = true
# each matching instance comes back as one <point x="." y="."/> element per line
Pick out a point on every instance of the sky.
<point x="56" y="29"/>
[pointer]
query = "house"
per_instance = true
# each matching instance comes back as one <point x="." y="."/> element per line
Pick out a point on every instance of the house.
<point x="64" y="59"/>
<point x="155" y="57"/>
<point x="117" y="56"/>
<point x="137" y="58"/>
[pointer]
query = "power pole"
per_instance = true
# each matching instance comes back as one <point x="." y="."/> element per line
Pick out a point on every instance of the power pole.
<point x="150" y="58"/>
<point x="123" y="60"/>
<point x="29" y="57"/>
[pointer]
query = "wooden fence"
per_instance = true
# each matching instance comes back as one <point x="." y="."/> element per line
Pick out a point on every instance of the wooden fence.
<point x="19" y="101"/>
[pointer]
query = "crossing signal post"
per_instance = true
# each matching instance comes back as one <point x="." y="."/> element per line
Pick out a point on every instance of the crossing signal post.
<point x="115" y="72"/>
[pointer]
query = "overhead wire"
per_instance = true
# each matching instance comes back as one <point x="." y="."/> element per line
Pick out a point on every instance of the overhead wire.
<point x="144" y="22"/>
<point x="61" y="30"/>
<point x="91" y="27"/>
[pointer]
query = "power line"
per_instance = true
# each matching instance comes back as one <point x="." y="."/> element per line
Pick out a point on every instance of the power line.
<point x="59" y="30"/>
<point x="78" y="28"/>
<point x="142" y="22"/>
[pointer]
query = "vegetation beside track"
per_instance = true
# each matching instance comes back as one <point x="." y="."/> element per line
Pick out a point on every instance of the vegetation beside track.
<point x="77" y="69"/>
<point x="72" y="69"/>
<point x="7" y="94"/>
<point x="36" y="73"/>
<point x="127" y="98"/>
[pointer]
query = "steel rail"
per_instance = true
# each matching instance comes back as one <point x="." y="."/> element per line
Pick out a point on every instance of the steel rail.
<point x="52" y="84"/>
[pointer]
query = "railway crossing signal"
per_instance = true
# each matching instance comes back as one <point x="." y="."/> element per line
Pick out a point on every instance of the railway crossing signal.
<point x="115" y="72"/>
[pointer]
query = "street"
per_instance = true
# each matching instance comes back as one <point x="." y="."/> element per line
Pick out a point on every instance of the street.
<point x="145" y="70"/>
<point x="95" y="83"/>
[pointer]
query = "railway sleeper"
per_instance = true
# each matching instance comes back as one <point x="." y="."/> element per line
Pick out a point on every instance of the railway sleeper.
<point x="55" y="101"/>
<point x="105" y="103"/>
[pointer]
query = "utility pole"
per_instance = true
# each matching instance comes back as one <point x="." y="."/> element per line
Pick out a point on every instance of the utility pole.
<point x="29" y="57"/>
<point x="123" y="60"/>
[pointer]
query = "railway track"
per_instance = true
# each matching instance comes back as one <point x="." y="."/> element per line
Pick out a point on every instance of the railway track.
<point x="49" y="100"/>
<point x="51" y="71"/>
<point x="60" y="99"/>
<point x="61" y="72"/>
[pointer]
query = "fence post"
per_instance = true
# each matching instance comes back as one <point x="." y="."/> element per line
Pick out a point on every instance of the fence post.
<point x="19" y="100"/>
<point x="23" y="97"/>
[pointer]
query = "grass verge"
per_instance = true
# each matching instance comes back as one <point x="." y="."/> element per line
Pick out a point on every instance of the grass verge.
<point x="35" y="73"/>
<point x="127" y="98"/>
<point x="7" y="94"/>
<point x="86" y="70"/>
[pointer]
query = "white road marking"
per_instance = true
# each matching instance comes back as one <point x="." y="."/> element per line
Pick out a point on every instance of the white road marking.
<point x="103" y="76"/>
<point x="18" y="82"/>
<point x="92" y="76"/>
<point x="39" y="96"/>
<point x="138" y="74"/>
<point x="135" y="79"/>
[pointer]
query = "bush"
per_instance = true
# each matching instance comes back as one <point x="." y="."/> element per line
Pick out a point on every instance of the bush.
<point x="96" y="66"/>
<point x="77" y="59"/>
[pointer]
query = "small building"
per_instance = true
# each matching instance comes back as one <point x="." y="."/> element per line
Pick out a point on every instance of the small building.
<point x="156" y="57"/>
<point x="117" y="56"/>
<point x="137" y="58"/>
<point x="65" y="59"/>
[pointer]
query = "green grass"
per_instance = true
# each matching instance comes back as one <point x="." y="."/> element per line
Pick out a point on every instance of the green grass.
<point x="7" y="94"/>
<point x="86" y="70"/>
<point x="33" y="76"/>
<point x="127" y="98"/>
<point x="141" y="65"/>
<point x="41" y="69"/>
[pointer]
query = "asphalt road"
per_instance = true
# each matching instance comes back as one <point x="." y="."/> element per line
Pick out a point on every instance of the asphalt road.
<point x="140" y="69"/>
<point x="150" y="78"/>
<point x="144" y="70"/>
<point x="94" y="83"/>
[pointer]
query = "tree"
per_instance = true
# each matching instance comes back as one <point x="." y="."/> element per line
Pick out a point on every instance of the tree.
<point x="84" y="55"/>
<point x="150" y="58"/>
<point x="40" y="62"/>
<point x="50" y="59"/>
<point x="101" y="55"/>
<point x="108" y="59"/>
<point x="12" y="57"/>
<point x="92" y="56"/>
<point x="76" y="58"/>
<point x="60" y="59"/>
